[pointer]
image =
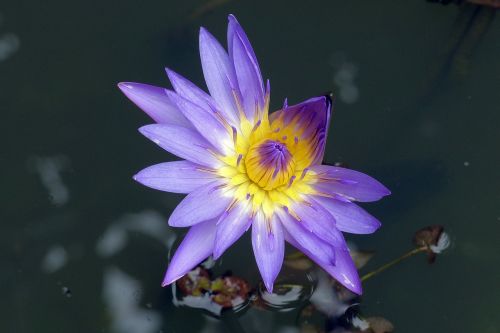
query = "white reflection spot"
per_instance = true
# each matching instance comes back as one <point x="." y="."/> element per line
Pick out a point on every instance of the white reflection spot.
<point x="120" y="297"/>
<point x="148" y="222"/>
<point x="325" y="299"/>
<point x="442" y="244"/>
<point x="360" y="323"/>
<point x="344" y="78"/>
<point x="55" y="259"/>
<point x="9" y="44"/>
<point x="49" y="169"/>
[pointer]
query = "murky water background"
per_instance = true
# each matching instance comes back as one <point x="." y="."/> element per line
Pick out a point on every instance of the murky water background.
<point x="83" y="248"/>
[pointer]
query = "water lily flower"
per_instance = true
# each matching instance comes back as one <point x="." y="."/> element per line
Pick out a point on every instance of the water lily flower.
<point x="242" y="167"/>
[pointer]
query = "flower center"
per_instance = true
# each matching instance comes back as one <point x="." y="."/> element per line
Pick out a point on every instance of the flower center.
<point x="269" y="164"/>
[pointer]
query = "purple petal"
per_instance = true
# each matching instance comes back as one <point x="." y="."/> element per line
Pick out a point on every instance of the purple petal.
<point x="344" y="270"/>
<point x="219" y="76"/>
<point x="196" y="246"/>
<point x="155" y="103"/>
<point x="231" y="226"/>
<point x="206" y="123"/>
<point x="317" y="220"/>
<point x="349" y="217"/>
<point x="177" y="177"/>
<point x="353" y="185"/>
<point x="246" y="68"/>
<point x="189" y="91"/>
<point x="304" y="239"/>
<point x="203" y="204"/>
<point x="269" y="247"/>
<point x="311" y="120"/>
<point x="183" y="142"/>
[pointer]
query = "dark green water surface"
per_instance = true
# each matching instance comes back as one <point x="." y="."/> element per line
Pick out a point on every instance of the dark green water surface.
<point x="83" y="248"/>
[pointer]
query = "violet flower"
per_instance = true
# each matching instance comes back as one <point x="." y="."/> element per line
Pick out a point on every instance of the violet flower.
<point x="242" y="167"/>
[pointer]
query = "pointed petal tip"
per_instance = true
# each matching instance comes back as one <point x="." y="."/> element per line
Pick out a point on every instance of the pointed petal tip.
<point x="358" y="289"/>
<point x="171" y="222"/>
<point x="133" y="88"/>
<point x="170" y="73"/>
<point x="169" y="279"/>
<point x="126" y="87"/>
<point x="382" y="189"/>
<point x="233" y="21"/>
<point x="269" y="286"/>
<point x="203" y="32"/>
<point x="139" y="177"/>
<point x="203" y="37"/>
<point x="145" y="130"/>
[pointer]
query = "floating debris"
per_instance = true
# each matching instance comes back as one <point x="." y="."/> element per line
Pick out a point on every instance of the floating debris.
<point x="66" y="292"/>
<point x="199" y="290"/>
<point x="433" y="239"/>
<point x="230" y="291"/>
<point x="379" y="325"/>
<point x="195" y="283"/>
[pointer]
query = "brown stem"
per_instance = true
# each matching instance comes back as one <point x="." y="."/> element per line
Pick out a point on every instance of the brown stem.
<point x="393" y="262"/>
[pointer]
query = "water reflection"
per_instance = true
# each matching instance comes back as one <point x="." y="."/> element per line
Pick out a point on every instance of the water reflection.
<point x="345" y="73"/>
<point x="49" y="169"/>
<point x="148" y="222"/>
<point x="328" y="300"/>
<point x="291" y="290"/>
<point x="199" y="290"/>
<point x="9" y="43"/>
<point x="121" y="295"/>
<point x="55" y="259"/>
<point x="321" y="303"/>
<point x="284" y="297"/>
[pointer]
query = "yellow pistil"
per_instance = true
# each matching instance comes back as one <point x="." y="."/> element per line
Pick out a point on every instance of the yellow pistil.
<point x="272" y="170"/>
<point x="269" y="164"/>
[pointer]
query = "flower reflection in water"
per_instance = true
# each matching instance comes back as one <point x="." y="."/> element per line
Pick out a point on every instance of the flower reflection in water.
<point x="322" y="303"/>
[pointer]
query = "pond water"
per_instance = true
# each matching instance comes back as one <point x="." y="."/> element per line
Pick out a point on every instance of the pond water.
<point x="84" y="247"/>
